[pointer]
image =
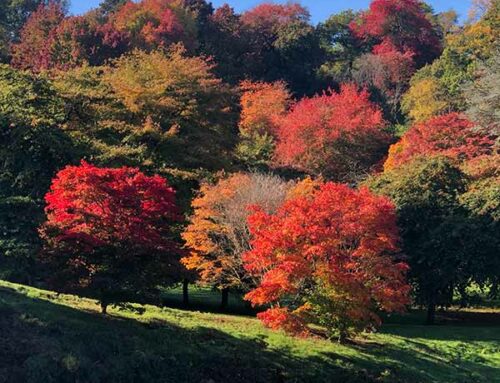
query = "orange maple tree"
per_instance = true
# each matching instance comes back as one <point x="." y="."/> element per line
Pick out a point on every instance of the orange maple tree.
<point x="451" y="135"/>
<point x="325" y="259"/>
<point x="261" y="103"/>
<point x="217" y="235"/>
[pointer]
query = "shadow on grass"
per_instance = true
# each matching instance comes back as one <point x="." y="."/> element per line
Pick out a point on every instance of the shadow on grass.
<point x="42" y="341"/>
<point x="206" y="300"/>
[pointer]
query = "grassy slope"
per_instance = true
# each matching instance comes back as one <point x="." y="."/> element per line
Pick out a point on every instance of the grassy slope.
<point x="48" y="338"/>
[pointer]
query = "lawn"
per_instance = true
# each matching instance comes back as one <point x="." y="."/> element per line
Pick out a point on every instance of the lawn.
<point x="47" y="337"/>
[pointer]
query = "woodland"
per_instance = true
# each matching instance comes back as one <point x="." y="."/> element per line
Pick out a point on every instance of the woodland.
<point x="171" y="170"/>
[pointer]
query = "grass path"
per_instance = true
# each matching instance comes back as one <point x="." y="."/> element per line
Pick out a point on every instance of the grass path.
<point x="50" y="338"/>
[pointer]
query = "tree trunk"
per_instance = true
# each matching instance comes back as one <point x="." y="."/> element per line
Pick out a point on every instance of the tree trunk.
<point x="104" y="307"/>
<point x="185" y="292"/>
<point x="225" y="299"/>
<point x="431" y="312"/>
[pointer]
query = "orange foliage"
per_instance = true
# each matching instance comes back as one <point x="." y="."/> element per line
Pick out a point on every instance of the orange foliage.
<point x="217" y="235"/>
<point x="154" y="23"/>
<point x="330" y="252"/>
<point x="450" y="135"/>
<point x="261" y="103"/>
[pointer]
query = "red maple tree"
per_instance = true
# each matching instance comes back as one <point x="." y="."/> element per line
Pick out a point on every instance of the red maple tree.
<point x="109" y="231"/>
<point x="337" y="135"/>
<point x="404" y="25"/>
<point x="325" y="258"/>
<point x="269" y="15"/>
<point x="33" y="49"/>
<point x="451" y="135"/>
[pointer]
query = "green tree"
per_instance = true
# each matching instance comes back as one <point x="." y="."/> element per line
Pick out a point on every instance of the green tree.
<point x="32" y="148"/>
<point x="426" y="194"/>
<point x="341" y="46"/>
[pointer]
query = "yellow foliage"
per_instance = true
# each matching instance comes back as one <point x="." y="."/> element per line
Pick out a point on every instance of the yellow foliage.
<point x="155" y="82"/>
<point x="421" y="102"/>
<point x="477" y="41"/>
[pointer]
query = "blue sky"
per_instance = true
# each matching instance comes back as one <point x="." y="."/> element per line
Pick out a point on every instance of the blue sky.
<point x="320" y="9"/>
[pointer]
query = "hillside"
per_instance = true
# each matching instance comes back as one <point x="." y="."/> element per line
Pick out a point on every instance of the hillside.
<point x="48" y="337"/>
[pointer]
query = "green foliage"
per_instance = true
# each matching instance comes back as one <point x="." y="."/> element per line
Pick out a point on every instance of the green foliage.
<point x="426" y="193"/>
<point x="28" y="99"/>
<point x="19" y="242"/>
<point x="341" y="46"/>
<point x="455" y="68"/>
<point x="32" y="149"/>
<point x="255" y="150"/>
<point x="98" y="119"/>
<point x="447" y="242"/>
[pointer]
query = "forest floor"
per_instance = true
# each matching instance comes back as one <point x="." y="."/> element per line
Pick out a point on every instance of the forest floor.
<point x="46" y="337"/>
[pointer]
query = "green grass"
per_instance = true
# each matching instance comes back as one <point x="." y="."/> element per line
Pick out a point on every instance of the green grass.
<point x="62" y="338"/>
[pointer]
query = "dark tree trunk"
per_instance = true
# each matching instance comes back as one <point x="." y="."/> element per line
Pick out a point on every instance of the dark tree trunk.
<point x="225" y="299"/>
<point x="185" y="292"/>
<point x="431" y="312"/>
<point x="104" y="307"/>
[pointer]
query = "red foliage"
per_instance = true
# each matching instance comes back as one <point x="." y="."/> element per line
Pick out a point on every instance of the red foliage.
<point x="150" y="23"/>
<point x="109" y="232"/>
<point x="33" y="50"/>
<point x="451" y="135"/>
<point x="333" y="134"/>
<point x="402" y="24"/>
<point x="102" y="206"/>
<point x="268" y="15"/>
<point x="50" y="40"/>
<point x="337" y="242"/>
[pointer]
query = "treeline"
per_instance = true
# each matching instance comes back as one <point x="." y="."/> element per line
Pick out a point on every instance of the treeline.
<point x="315" y="168"/>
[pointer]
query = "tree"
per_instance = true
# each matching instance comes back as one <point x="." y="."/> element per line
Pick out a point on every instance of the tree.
<point x="338" y="135"/>
<point x="217" y="235"/>
<point x="481" y="202"/>
<point x="28" y="100"/>
<point x="153" y="24"/>
<point x="261" y="105"/>
<point x="483" y="97"/>
<point x="422" y="101"/>
<point x="404" y="25"/>
<point x="33" y="148"/>
<point x="50" y="40"/>
<point x="33" y="50"/>
<point x="447" y="247"/>
<point x="181" y="103"/>
<point x="228" y="41"/>
<point x="341" y="46"/>
<point x="388" y="71"/>
<point x="284" y="46"/>
<point x="325" y="259"/>
<point x="444" y="81"/>
<point x="109" y="232"/>
<point x="451" y="135"/>
<point x="108" y="7"/>
<point x="13" y="15"/>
